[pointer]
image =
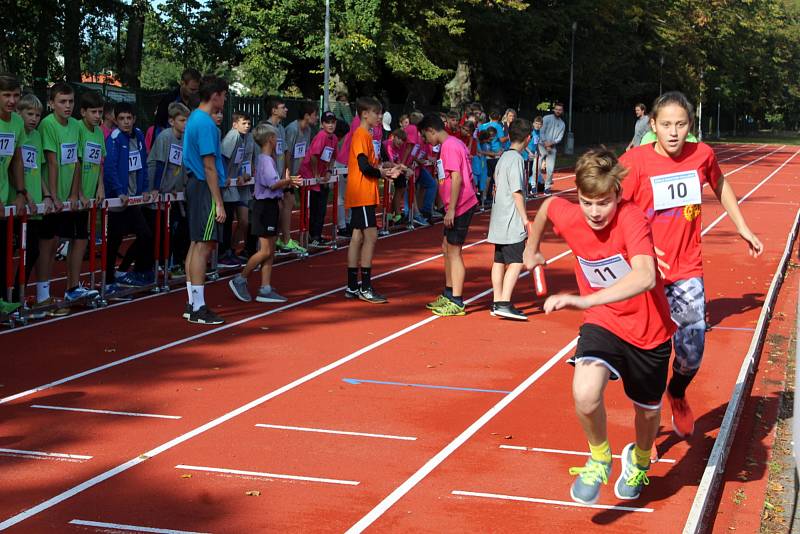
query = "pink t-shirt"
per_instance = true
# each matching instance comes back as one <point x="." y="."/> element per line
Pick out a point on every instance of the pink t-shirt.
<point x="323" y="146"/>
<point x="454" y="157"/>
<point x="106" y="131"/>
<point x="377" y="135"/>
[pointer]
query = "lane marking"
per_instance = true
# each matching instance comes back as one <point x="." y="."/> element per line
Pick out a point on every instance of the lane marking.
<point x="356" y="381"/>
<point x="42" y="454"/>
<point x="107" y="412"/>
<point x="131" y="528"/>
<point x="549" y="501"/>
<point x="338" y="432"/>
<point x="565" y="451"/>
<point x="734" y="328"/>
<point x="266" y="475"/>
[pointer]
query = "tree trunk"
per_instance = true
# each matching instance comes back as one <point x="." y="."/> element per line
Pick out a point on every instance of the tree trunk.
<point x="41" y="60"/>
<point x="132" y="63"/>
<point x="71" y="39"/>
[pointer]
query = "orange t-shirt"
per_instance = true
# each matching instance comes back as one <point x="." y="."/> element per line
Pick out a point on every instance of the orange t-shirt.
<point x="361" y="190"/>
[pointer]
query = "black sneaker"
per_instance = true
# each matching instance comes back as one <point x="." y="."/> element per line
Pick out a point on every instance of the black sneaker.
<point x="187" y="312"/>
<point x="369" y="295"/>
<point x="351" y="293"/>
<point x="492" y="309"/>
<point x="344" y="231"/>
<point x="205" y="316"/>
<point x="509" y="312"/>
<point x="229" y="260"/>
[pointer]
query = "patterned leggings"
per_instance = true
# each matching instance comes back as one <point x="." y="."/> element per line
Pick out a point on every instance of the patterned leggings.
<point x="687" y="305"/>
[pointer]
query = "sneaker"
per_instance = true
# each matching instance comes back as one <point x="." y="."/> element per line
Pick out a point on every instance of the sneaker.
<point x="586" y="487"/>
<point x="80" y="293"/>
<point x="228" y="260"/>
<point x="119" y="275"/>
<point x="205" y="316"/>
<point x="177" y="271"/>
<point x="40" y="309"/>
<point x="243" y="257"/>
<point x="114" y="292"/>
<point x="632" y="479"/>
<point x="238" y="285"/>
<point x="351" y="293"/>
<point x="280" y="246"/>
<point x="548" y="191"/>
<point x="8" y="307"/>
<point x="449" y="309"/>
<point x="319" y="243"/>
<point x="369" y="295"/>
<point x="187" y="312"/>
<point x="294" y="246"/>
<point x="419" y="220"/>
<point x="131" y="280"/>
<point x="270" y="295"/>
<point x="682" y="416"/>
<point x="509" y="312"/>
<point x="146" y="278"/>
<point x="439" y="301"/>
<point x="395" y="218"/>
<point x="492" y="307"/>
<point x="344" y="231"/>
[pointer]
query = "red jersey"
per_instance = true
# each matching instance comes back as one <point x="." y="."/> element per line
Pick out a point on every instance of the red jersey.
<point x="602" y="258"/>
<point x="669" y="191"/>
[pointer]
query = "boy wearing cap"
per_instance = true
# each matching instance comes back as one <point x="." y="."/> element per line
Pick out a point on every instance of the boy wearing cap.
<point x="317" y="163"/>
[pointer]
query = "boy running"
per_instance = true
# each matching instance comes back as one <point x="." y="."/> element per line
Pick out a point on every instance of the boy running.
<point x="361" y="198"/>
<point x="666" y="181"/>
<point x="509" y="221"/>
<point x="205" y="176"/>
<point x="626" y="327"/>
<point x="454" y="173"/>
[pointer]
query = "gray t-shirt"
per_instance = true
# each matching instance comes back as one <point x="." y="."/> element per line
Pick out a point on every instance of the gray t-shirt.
<point x="280" y="148"/>
<point x="641" y="128"/>
<point x="297" y="144"/>
<point x="167" y="149"/>
<point x="505" y="225"/>
<point x="232" y="149"/>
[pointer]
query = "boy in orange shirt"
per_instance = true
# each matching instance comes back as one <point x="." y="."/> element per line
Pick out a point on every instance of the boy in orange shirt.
<point x="361" y="197"/>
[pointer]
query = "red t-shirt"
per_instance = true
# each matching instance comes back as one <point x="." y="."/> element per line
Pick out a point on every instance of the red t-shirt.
<point x="668" y="191"/>
<point x="604" y="256"/>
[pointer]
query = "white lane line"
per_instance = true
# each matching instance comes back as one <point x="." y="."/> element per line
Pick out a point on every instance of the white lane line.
<point x="339" y="432"/>
<point x="106" y="412"/>
<point x="549" y="501"/>
<point x="564" y="451"/>
<point x="733" y="328"/>
<point x="205" y="333"/>
<point x="434" y="462"/>
<point x="130" y="528"/>
<point x="266" y="475"/>
<point x="42" y="454"/>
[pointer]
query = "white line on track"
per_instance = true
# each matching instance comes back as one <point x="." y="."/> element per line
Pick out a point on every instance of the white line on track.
<point x="549" y="501"/>
<point x="266" y="475"/>
<point x="568" y="452"/>
<point x="130" y="528"/>
<point x="339" y="432"/>
<point x="42" y="454"/>
<point x="734" y="328"/>
<point x="106" y="412"/>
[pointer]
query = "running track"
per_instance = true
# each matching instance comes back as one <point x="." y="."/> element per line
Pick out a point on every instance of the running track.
<point x="344" y="442"/>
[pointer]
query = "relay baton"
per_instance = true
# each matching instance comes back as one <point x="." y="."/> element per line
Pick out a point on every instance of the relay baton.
<point x="539" y="282"/>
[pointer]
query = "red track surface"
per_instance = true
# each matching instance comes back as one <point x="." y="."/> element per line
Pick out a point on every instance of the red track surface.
<point x="259" y="371"/>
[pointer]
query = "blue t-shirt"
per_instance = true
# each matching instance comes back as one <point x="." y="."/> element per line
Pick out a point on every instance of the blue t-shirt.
<point x="494" y="145"/>
<point x="532" y="144"/>
<point x="201" y="138"/>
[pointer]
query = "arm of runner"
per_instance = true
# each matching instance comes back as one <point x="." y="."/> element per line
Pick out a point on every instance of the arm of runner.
<point x="531" y="257"/>
<point x="52" y="179"/>
<point x="519" y="203"/>
<point x="727" y="197"/>
<point x="18" y="178"/>
<point x="455" y="190"/>
<point x="212" y="181"/>
<point x="641" y="278"/>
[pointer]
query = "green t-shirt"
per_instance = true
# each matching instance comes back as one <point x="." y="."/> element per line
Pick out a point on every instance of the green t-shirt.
<point x="92" y="150"/>
<point x="11" y="133"/>
<point x="64" y="142"/>
<point x="32" y="162"/>
<point x="650" y="137"/>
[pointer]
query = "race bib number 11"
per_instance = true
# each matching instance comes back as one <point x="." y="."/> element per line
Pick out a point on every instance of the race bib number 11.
<point x="605" y="272"/>
<point x="676" y="190"/>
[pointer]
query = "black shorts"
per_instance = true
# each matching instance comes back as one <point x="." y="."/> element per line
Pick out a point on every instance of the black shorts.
<point x="73" y="225"/>
<point x="507" y="254"/>
<point x="202" y="212"/>
<point x="50" y="225"/>
<point x="265" y="217"/>
<point x="458" y="233"/>
<point x="643" y="371"/>
<point x="363" y="217"/>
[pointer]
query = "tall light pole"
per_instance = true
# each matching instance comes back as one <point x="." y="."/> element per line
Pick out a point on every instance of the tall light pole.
<point x="327" y="76"/>
<point x="700" y="110"/>
<point x="718" y="89"/>
<point x="570" y="148"/>
<point x="660" y="75"/>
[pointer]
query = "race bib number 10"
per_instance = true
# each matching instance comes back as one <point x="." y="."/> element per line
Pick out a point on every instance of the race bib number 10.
<point x="676" y="190"/>
<point x="605" y="272"/>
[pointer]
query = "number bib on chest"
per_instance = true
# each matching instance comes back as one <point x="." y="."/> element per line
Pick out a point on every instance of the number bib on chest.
<point x="8" y="143"/>
<point x="92" y="153"/>
<point x="176" y="154"/>
<point x="605" y="272"/>
<point x="327" y="154"/>
<point x="29" y="159"/>
<point x="69" y="153"/>
<point x="246" y="169"/>
<point x="415" y="151"/>
<point x="440" y="170"/>
<point x="134" y="161"/>
<point x="376" y="146"/>
<point x="299" y="151"/>
<point x="279" y="148"/>
<point x="237" y="159"/>
<point x="676" y="189"/>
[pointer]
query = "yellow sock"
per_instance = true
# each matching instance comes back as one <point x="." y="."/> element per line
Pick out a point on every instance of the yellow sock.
<point x="602" y="452"/>
<point x="642" y="457"/>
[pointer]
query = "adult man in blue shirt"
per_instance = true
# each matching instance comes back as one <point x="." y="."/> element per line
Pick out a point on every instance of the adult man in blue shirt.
<point x="205" y="171"/>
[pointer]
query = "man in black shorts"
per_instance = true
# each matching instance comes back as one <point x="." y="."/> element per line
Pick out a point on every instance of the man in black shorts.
<point x="454" y="174"/>
<point x="206" y="174"/>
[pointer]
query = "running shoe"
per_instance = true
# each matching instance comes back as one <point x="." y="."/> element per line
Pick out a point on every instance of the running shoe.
<point x="39" y="310"/>
<point x="80" y="293"/>
<point x="280" y="246"/>
<point x="368" y="294"/>
<point x="419" y="220"/>
<point x="294" y="246"/>
<point x="205" y="316"/>
<point x="319" y="243"/>
<point x="131" y="280"/>
<point x="147" y="277"/>
<point x="548" y="191"/>
<point x="8" y="307"/>
<point x="632" y="479"/>
<point x="440" y="300"/>
<point x="509" y="312"/>
<point x="449" y="309"/>
<point x="586" y="487"/>
<point x="351" y="293"/>
<point x="682" y="416"/>
<point x="344" y="231"/>
<point x="492" y="308"/>
<point x="177" y="271"/>
<point x="119" y="275"/>
<point x="228" y="260"/>
<point x="270" y="296"/>
<point x="238" y="285"/>
<point x="243" y="257"/>
<point x="187" y="312"/>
